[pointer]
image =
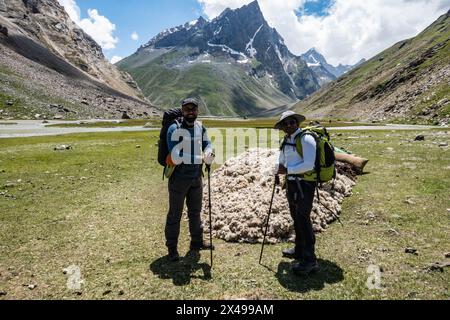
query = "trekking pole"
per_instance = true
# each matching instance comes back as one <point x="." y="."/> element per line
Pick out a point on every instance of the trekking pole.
<point x="326" y="207"/>
<point x="276" y="182"/>
<point x="208" y="168"/>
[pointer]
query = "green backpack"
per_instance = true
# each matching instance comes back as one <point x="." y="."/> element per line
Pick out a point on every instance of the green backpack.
<point x="325" y="167"/>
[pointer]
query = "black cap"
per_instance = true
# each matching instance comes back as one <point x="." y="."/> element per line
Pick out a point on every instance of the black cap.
<point x="189" y="101"/>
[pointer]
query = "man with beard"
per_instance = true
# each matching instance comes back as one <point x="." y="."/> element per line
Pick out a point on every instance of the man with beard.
<point x="189" y="147"/>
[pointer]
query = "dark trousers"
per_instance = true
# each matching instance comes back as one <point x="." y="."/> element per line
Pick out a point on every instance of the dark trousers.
<point x="181" y="189"/>
<point x="300" y="196"/>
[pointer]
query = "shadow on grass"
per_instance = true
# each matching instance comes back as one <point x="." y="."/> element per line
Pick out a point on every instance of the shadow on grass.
<point x="183" y="271"/>
<point x="329" y="273"/>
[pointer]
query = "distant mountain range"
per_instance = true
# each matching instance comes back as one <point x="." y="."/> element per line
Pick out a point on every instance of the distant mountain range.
<point x="325" y="71"/>
<point x="51" y="68"/>
<point x="409" y="82"/>
<point x="235" y="64"/>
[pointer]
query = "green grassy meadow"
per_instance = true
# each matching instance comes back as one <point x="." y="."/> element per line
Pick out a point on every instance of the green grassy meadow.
<point x="101" y="206"/>
<point x="265" y="123"/>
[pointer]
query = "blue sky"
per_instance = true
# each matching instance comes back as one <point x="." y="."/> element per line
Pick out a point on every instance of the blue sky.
<point x="146" y="18"/>
<point x="315" y="8"/>
<point x="344" y="31"/>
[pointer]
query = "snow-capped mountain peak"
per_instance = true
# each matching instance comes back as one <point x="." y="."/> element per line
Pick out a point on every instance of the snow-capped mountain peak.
<point x="314" y="59"/>
<point x="243" y="37"/>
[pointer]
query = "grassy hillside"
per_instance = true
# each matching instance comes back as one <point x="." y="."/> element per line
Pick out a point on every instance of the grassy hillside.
<point x="102" y="206"/>
<point x="409" y="81"/>
<point x="20" y="98"/>
<point x="224" y="87"/>
<point x="30" y="90"/>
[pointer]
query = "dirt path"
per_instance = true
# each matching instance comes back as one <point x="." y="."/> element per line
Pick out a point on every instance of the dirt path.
<point x="386" y="127"/>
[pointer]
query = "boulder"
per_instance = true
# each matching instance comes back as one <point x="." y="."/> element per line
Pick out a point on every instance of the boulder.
<point x="420" y="138"/>
<point x="62" y="147"/>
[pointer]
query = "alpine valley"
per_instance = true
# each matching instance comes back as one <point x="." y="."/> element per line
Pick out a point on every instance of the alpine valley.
<point x="50" y="68"/>
<point x="236" y="64"/>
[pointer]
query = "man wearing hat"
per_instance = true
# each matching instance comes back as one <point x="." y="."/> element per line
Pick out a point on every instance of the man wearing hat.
<point x="189" y="147"/>
<point x="300" y="193"/>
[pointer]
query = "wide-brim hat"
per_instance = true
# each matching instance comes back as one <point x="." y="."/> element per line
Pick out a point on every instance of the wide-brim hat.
<point x="289" y="114"/>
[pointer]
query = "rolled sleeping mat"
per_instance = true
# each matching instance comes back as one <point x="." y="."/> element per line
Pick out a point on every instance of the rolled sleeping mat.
<point x="357" y="162"/>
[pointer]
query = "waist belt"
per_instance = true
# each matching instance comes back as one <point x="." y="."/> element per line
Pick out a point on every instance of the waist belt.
<point x="293" y="177"/>
<point x="296" y="179"/>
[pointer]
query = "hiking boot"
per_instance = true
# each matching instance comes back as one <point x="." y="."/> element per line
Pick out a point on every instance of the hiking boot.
<point x="290" y="254"/>
<point x="197" y="246"/>
<point x="304" y="269"/>
<point x="174" y="256"/>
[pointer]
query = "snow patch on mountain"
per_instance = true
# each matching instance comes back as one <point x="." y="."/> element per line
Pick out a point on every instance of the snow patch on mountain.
<point x="227" y="49"/>
<point x="317" y="64"/>
<point x="243" y="61"/>
<point x="314" y="62"/>
<point x="277" y="50"/>
<point x="218" y="31"/>
<point x="249" y="47"/>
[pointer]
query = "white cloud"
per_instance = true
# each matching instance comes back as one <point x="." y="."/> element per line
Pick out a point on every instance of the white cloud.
<point x="135" y="36"/>
<point x="71" y="8"/>
<point x="214" y="7"/>
<point x="97" y="26"/>
<point x="115" y="59"/>
<point x="353" y="29"/>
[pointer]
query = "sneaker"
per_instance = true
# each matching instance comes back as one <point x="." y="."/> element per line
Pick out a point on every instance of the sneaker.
<point x="174" y="256"/>
<point x="201" y="246"/>
<point x="304" y="269"/>
<point x="290" y="254"/>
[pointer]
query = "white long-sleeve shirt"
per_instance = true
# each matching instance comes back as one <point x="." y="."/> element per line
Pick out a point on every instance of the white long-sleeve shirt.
<point x="290" y="158"/>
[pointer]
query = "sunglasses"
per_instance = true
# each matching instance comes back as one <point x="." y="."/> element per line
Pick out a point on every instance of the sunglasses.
<point x="290" y="122"/>
<point x="190" y="108"/>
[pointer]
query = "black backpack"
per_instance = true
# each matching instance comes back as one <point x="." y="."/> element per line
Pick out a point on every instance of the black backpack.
<point x="170" y="117"/>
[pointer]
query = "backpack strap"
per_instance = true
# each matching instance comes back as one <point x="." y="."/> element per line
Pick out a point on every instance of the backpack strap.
<point x="203" y="130"/>
<point x="179" y="122"/>
<point x="298" y="140"/>
<point x="285" y="143"/>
